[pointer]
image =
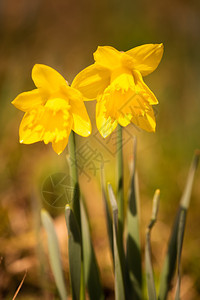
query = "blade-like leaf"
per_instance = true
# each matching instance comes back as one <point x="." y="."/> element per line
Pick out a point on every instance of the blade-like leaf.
<point x="120" y="194"/>
<point x="113" y="203"/>
<point x="54" y="253"/>
<point x="179" y="250"/>
<point x="178" y="231"/>
<point x="74" y="251"/>
<point x="148" y="263"/>
<point x="133" y="249"/>
<point x="185" y="200"/>
<point x="170" y="260"/>
<point x="92" y="277"/>
<point x="108" y="215"/>
<point x="119" y="282"/>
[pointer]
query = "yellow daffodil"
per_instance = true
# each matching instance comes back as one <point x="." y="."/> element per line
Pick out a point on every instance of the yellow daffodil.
<point x="115" y="81"/>
<point x="52" y="110"/>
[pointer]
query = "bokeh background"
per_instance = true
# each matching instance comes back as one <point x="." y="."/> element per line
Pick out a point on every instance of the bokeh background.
<point x="63" y="34"/>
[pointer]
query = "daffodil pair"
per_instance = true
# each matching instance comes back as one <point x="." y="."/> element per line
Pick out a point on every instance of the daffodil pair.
<point x="114" y="80"/>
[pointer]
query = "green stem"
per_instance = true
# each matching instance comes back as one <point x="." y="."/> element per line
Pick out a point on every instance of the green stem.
<point x="120" y="196"/>
<point x="82" y="289"/>
<point x="74" y="178"/>
<point x="76" y="201"/>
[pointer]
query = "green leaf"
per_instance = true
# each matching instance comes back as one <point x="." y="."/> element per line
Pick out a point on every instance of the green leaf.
<point x="74" y="251"/>
<point x="92" y="277"/>
<point x="120" y="194"/>
<point x="119" y="282"/>
<point x="148" y="263"/>
<point x="170" y="260"/>
<point x="185" y="200"/>
<point x="176" y="239"/>
<point x="179" y="250"/>
<point x="107" y="210"/>
<point x="54" y="253"/>
<point x="133" y="252"/>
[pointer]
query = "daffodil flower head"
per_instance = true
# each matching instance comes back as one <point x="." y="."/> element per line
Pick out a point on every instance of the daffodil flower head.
<point x="52" y="110"/>
<point x="115" y="80"/>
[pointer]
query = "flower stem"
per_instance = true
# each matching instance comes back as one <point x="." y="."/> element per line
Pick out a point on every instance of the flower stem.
<point x="76" y="201"/>
<point x="120" y="196"/>
<point x="74" y="178"/>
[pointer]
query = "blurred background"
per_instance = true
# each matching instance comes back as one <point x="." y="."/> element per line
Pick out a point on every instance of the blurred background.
<point x="63" y="34"/>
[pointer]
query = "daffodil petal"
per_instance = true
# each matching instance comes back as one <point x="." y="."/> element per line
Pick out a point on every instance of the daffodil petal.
<point x="146" y="122"/>
<point x="142" y="89"/>
<point x="28" y="100"/>
<point x="108" y="57"/>
<point x="47" y="78"/>
<point x="146" y="57"/>
<point x="27" y="135"/>
<point x="73" y="95"/>
<point x="81" y="121"/>
<point x="104" y="125"/>
<point x="124" y="120"/>
<point x="59" y="146"/>
<point x="92" y="81"/>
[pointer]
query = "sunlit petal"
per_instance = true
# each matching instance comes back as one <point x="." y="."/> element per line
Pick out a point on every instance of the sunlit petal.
<point x="143" y="90"/>
<point x="28" y="100"/>
<point x="59" y="146"/>
<point x="91" y="81"/>
<point x="47" y="78"/>
<point x="26" y="133"/>
<point x="81" y="121"/>
<point x="147" y="121"/>
<point x="124" y="120"/>
<point x="105" y="125"/>
<point x="108" y="57"/>
<point x="146" y="57"/>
